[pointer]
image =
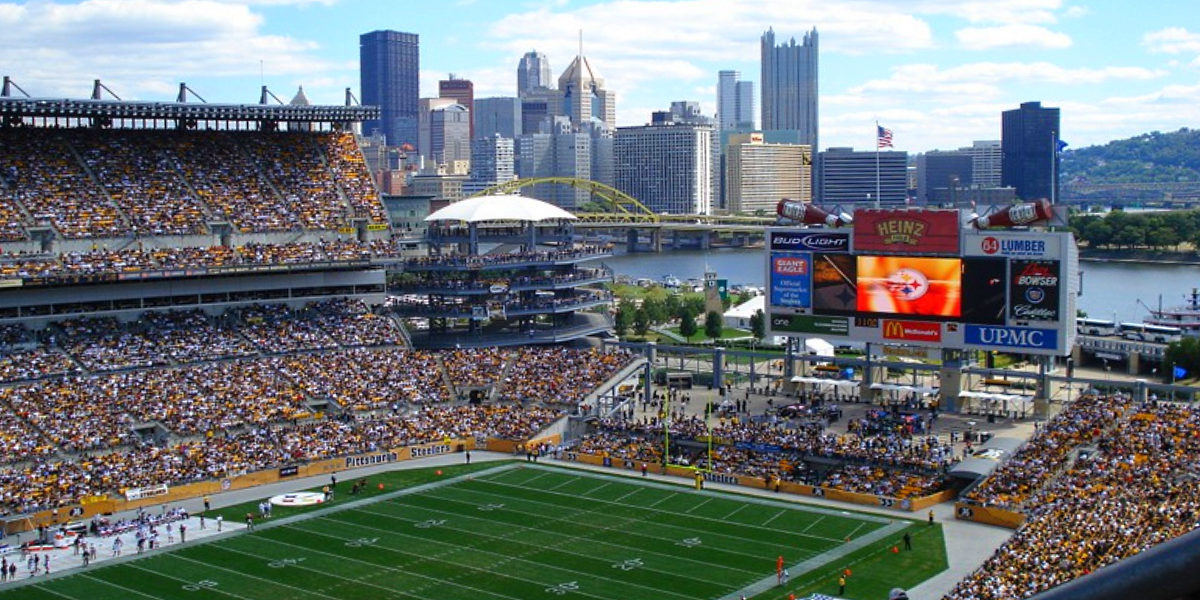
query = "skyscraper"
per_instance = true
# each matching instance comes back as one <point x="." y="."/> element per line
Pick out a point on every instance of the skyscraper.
<point x="735" y="102"/>
<point x="533" y="72"/>
<point x="461" y="91"/>
<point x="500" y="115"/>
<point x="789" y="85"/>
<point x="584" y="96"/>
<point x="444" y="131"/>
<point x="667" y="166"/>
<point x="1029" y="137"/>
<point x="389" y="70"/>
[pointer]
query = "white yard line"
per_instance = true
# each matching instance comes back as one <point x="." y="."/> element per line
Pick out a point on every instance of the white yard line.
<point x="810" y="525"/>
<point x="777" y="515"/>
<point x="735" y="511"/>
<point x="551" y="488"/>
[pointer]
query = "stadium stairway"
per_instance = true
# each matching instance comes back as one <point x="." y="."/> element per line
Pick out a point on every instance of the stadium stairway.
<point x="446" y="380"/>
<point x="494" y="393"/>
<point x="343" y="197"/>
<point x="95" y="182"/>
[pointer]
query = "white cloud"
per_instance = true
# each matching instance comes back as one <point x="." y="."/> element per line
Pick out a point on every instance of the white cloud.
<point x="142" y="47"/>
<point x="1172" y="40"/>
<point x="665" y="45"/>
<point x="1075" y="12"/>
<point x="986" y="38"/>
<point x="995" y="11"/>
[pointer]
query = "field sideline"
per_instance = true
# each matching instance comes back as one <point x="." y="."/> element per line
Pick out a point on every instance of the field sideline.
<point x="519" y="531"/>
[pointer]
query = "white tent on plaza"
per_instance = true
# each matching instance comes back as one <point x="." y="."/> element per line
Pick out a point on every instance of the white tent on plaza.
<point x="500" y="207"/>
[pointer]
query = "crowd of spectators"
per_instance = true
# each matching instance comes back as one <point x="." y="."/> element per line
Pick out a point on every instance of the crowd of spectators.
<point x="45" y="178"/>
<point x="472" y="261"/>
<point x="101" y="261"/>
<point x="365" y="379"/>
<point x="46" y="483"/>
<point x="191" y="336"/>
<point x="138" y="173"/>
<point x="274" y="328"/>
<point x="456" y="282"/>
<point x="90" y="183"/>
<point x="104" y="344"/>
<point x="876" y="460"/>
<point x="473" y="368"/>
<point x="12" y="224"/>
<point x="349" y="169"/>
<point x="1139" y="489"/>
<point x="36" y="363"/>
<point x="1049" y="450"/>
<point x="351" y="323"/>
<point x="559" y="375"/>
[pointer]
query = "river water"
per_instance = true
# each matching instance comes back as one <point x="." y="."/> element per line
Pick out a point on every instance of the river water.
<point x="1110" y="290"/>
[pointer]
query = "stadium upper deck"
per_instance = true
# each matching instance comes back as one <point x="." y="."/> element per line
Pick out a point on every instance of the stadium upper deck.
<point x="100" y="183"/>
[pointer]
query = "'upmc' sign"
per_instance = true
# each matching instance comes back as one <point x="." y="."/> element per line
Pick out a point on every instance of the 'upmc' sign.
<point x="806" y="240"/>
<point x="1011" y="337"/>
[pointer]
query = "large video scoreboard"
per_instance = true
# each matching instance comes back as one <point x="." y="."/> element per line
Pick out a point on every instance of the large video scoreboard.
<point x="918" y="277"/>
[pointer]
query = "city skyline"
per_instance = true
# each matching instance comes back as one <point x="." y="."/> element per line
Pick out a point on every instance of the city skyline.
<point x="938" y="74"/>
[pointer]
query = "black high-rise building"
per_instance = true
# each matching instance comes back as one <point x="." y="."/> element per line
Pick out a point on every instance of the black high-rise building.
<point x="1029" y="139"/>
<point x="389" y="69"/>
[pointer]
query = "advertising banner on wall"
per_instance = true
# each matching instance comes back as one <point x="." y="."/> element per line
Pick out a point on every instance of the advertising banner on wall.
<point x="1034" y="290"/>
<point x="808" y="240"/>
<point x="791" y="279"/>
<point x="1013" y="244"/>
<point x="906" y="231"/>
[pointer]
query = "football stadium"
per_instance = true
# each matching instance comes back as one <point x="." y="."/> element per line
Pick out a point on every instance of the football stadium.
<point x="209" y="388"/>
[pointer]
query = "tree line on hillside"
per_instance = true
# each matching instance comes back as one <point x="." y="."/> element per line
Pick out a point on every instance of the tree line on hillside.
<point x="1144" y="230"/>
<point x="1153" y="157"/>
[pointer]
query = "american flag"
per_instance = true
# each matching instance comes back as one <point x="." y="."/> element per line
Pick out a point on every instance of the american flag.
<point x="883" y="137"/>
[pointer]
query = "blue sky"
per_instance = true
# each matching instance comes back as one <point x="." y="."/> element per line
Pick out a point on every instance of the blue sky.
<point x="936" y="72"/>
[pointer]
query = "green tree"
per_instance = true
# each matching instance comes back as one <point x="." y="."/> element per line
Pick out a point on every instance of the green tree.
<point x="641" y="322"/>
<point x="624" y="317"/>
<point x="693" y="303"/>
<point x="656" y="309"/>
<point x="758" y="325"/>
<point x="713" y="325"/>
<point x="687" y="325"/>
<point x="674" y="306"/>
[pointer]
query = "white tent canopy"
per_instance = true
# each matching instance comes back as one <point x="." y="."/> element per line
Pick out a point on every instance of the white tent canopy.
<point x="892" y="387"/>
<point x="505" y="207"/>
<point x="840" y="383"/>
<point x="1005" y="401"/>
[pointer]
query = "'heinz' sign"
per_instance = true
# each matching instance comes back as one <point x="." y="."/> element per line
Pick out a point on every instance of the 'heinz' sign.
<point x="906" y="231"/>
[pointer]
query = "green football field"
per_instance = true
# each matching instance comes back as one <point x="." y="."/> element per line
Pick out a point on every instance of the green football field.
<point x="522" y="532"/>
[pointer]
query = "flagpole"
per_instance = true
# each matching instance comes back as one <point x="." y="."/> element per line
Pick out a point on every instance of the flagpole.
<point x="876" y="164"/>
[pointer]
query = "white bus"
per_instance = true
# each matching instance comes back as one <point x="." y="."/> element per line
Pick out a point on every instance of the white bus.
<point x="1095" y="327"/>
<point x="1151" y="333"/>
